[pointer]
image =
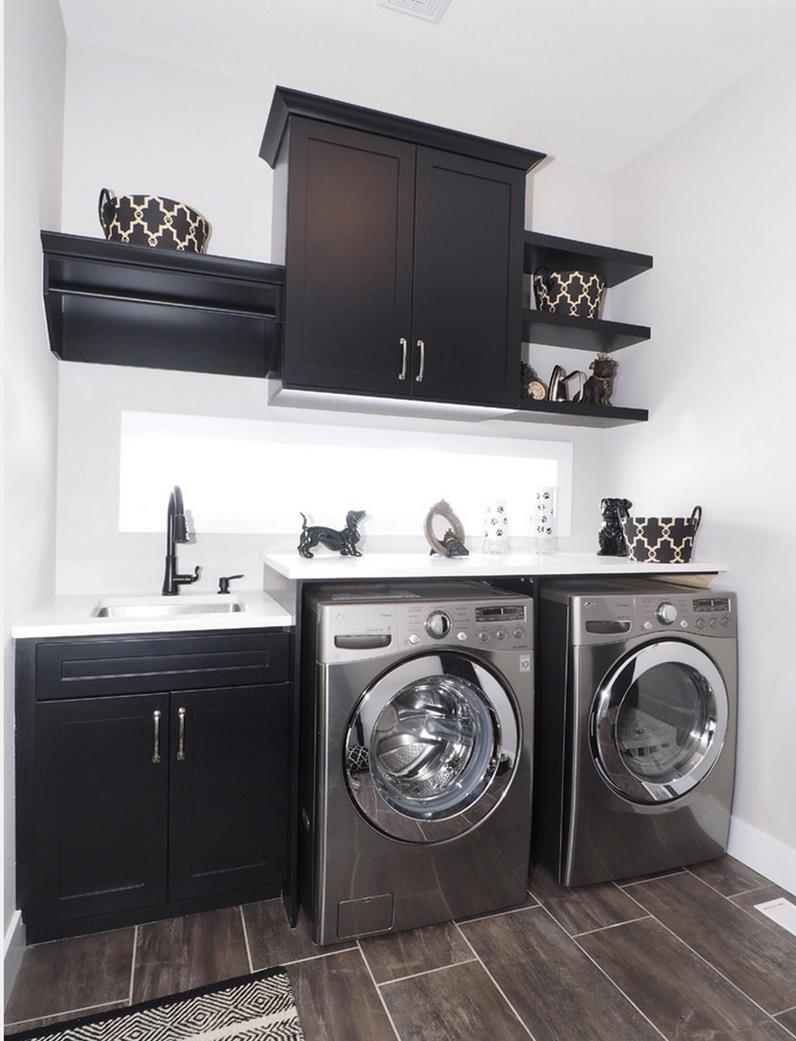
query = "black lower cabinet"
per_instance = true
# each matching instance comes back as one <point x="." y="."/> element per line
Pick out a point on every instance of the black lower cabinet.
<point x="228" y="796"/>
<point x="101" y="806"/>
<point x="139" y="805"/>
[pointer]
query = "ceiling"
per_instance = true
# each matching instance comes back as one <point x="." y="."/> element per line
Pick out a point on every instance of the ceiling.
<point x="592" y="82"/>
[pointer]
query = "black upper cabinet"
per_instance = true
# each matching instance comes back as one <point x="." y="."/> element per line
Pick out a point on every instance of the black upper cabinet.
<point x="403" y="246"/>
<point x="100" y="805"/>
<point x="228" y="809"/>
<point x="466" y="325"/>
<point x="350" y="213"/>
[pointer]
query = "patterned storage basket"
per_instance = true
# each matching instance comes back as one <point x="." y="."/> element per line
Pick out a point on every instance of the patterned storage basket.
<point x="152" y="220"/>
<point x="661" y="540"/>
<point x="574" y="293"/>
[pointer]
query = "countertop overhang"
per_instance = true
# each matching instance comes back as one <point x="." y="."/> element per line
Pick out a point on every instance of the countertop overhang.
<point x="74" y="616"/>
<point x="382" y="565"/>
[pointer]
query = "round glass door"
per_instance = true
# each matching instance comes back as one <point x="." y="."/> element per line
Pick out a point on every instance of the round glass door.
<point x="659" y="721"/>
<point x="425" y="745"/>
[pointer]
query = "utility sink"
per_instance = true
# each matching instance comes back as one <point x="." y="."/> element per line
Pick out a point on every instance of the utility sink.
<point x="166" y="606"/>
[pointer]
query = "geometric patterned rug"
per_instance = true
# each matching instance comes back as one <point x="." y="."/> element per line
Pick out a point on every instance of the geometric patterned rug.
<point x="250" y="1008"/>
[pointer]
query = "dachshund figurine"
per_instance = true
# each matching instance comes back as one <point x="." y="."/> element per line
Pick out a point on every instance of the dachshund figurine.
<point x="610" y="536"/>
<point x="343" y="542"/>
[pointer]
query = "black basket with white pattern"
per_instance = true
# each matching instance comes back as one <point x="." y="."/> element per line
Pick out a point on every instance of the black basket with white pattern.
<point x="577" y="294"/>
<point x="152" y="220"/>
<point x="661" y="540"/>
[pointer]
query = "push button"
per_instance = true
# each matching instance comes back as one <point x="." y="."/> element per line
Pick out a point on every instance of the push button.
<point x="461" y="636"/>
<point x="414" y="638"/>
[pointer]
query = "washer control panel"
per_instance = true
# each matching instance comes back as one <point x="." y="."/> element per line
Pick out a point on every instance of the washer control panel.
<point x="498" y="625"/>
<point x="608" y="617"/>
<point x="350" y="631"/>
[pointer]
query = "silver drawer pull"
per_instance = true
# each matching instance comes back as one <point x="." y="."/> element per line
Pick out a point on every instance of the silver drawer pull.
<point x="422" y="372"/>
<point x="181" y="739"/>
<point x="404" y="356"/>
<point x="156" y="727"/>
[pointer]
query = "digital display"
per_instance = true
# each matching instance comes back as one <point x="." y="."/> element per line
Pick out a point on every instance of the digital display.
<point x="712" y="604"/>
<point x="500" y="613"/>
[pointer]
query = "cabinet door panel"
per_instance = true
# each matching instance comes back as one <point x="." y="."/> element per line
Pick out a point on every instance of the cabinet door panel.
<point x="467" y="279"/>
<point x="349" y="258"/>
<point x="228" y="812"/>
<point x="100" y="806"/>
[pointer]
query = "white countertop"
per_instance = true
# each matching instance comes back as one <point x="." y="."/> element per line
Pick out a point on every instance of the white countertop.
<point x="422" y="565"/>
<point x="74" y="616"/>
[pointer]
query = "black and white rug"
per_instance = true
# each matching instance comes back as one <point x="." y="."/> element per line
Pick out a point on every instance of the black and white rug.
<point x="251" y="1008"/>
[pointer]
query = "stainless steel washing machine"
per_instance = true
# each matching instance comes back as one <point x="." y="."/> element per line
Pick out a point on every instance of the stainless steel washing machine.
<point x="417" y="719"/>
<point x="636" y="728"/>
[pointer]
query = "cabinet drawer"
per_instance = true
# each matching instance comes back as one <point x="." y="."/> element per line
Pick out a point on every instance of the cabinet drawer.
<point x="101" y="666"/>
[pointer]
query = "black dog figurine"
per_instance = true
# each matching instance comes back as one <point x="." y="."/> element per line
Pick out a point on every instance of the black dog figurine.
<point x="610" y="536"/>
<point x="343" y="542"/>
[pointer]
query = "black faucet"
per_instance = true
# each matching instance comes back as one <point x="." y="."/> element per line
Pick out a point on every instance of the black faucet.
<point x="176" y="531"/>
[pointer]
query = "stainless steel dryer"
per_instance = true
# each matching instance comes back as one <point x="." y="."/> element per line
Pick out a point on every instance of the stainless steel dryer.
<point x="417" y="728"/>
<point x="636" y="728"/>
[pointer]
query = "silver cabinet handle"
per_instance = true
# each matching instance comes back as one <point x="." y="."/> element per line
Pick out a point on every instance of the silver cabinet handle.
<point x="156" y="728"/>
<point x="422" y="372"/>
<point x="181" y="738"/>
<point x="404" y="355"/>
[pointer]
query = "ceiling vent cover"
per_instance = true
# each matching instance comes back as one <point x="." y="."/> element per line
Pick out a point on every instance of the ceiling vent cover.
<point x="429" y="10"/>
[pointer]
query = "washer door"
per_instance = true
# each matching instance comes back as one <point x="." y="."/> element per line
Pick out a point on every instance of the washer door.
<point x="659" y="721"/>
<point x="432" y="747"/>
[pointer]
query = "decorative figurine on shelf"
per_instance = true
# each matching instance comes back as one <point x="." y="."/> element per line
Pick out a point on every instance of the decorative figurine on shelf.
<point x="532" y="386"/>
<point x="559" y="381"/>
<point x="600" y="386"/>
<point x="343" y="542"/>
<point x="452" y="542"/>
<point x="610" y="536"/>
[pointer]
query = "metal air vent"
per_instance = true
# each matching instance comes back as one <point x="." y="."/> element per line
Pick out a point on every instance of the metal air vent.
<point x="429" y="10"/>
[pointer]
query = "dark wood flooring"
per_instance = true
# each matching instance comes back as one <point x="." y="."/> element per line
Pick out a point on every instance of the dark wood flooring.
<point x="681" y="956"/>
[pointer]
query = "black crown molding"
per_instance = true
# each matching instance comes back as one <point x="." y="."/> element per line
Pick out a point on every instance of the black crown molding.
<point x="288" y="103"/>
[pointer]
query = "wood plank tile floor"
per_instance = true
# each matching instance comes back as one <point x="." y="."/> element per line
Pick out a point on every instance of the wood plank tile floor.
<point x="681" y="956"/>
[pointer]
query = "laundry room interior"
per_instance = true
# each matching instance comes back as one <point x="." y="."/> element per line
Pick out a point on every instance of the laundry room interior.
<point x="395" y="544"/>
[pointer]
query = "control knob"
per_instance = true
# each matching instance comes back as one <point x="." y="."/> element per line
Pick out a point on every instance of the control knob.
<point x="483" y="636"/>
<point x="438" y="624"/>
<point x="666" y="613"/>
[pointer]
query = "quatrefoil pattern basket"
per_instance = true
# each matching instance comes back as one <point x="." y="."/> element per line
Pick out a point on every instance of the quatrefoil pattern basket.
<point x="574" y="293"/>
<point x="661" y="540"/>
<point x="152" y="220"/>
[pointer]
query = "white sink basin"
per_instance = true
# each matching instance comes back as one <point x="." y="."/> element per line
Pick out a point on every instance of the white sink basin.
<point x="166" y="606"/>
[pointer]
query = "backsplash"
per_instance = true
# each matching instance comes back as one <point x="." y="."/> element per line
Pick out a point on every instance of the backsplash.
<point x="242" y="476"/>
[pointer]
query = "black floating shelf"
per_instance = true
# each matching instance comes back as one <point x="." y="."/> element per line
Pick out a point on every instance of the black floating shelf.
<point x="574" y="413"/>
<point x="615" y="265"/>
<point x="116" y="304"/>
<point x="585" y="334"/>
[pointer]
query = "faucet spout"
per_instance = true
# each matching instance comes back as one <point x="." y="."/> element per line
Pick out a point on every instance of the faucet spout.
<point x="176" y="532"/>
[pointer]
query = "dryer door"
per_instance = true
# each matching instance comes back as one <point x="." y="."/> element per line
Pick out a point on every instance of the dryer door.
<point x="659" y="721"/>
<point x="432" y="747"/>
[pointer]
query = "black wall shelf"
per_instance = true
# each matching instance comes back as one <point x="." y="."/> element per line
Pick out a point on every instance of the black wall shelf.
<point x="574" y="413"/>
<point x="586" y="334"/>
<point x="116" y="304"/>
<point x="615" y="265"/>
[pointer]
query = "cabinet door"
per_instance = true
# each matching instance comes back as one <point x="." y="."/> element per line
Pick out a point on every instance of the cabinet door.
<point x="229" y="788"/>
<point x="349" y="260"/>
<point x="467" y="332"/>
<point x="101" y="799"/>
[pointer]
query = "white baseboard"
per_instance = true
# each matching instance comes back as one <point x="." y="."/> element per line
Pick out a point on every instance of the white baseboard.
<point x="763" y="853"/>
<point x="13" y="950"/>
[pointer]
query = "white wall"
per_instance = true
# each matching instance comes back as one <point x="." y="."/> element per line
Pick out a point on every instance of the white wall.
<point x="715" y="204"/>
<point x="196" y="137"/>
<point x="34" y="84"/>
